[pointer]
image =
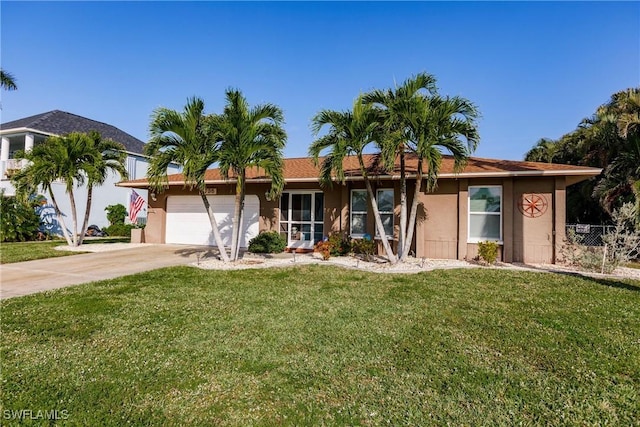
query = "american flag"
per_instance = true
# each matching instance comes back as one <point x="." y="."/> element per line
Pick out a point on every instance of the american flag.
<point x="136" y="202"/>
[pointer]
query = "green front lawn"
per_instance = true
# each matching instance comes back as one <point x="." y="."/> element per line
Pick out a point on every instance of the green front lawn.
<point x="29" y="251"/>
<point x="318" y="345"/>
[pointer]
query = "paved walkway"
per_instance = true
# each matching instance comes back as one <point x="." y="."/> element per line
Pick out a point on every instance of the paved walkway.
<point x="29" y="277"/>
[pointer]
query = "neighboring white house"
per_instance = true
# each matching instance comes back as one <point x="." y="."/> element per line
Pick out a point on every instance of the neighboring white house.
<point x="24" y="134"/>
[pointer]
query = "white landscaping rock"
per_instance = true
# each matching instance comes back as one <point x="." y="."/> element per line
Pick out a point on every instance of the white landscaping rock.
<point x="377" y="265"/>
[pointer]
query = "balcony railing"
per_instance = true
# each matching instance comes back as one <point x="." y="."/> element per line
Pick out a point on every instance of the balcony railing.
<point x="9" y="167"/>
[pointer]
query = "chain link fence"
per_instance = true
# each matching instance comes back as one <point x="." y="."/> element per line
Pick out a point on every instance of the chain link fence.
<point x="588" y="234"/>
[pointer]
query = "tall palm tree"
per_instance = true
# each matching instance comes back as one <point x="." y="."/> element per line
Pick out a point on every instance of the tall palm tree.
<point x="397" y="105"/>
<point x="349" y="133"/>
<point x="109" y="158"/>
<point x="437" y="124"/>
<point x="41" y="173"/>
<point x="184" y="138"/>
<point x="249" y="138"/>
<point x="616" y="127"/>
<point x="7" y="81"/>
<point x="544" y="151"/>
<point x="73" y="159"/>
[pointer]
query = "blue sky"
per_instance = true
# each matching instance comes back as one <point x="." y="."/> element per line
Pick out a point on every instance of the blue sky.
<point x="533" y="69"/>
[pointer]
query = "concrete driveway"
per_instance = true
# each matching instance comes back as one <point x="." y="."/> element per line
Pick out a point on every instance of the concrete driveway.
<point x="24" y="278"/>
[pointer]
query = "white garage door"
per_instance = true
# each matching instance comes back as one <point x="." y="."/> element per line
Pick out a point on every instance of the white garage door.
<point x="188" y="222"/>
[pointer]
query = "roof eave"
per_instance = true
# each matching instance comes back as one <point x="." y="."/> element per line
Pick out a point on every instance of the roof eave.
<point x="584" y="174"/>
<point x="18" y="131"/>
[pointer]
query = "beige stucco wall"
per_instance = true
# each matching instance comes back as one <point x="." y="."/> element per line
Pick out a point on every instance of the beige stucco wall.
<point x="438" y="224"/>
<point x="535" y="240"/>
<point x="441" y="230"/>
<point x="540" y="239"/>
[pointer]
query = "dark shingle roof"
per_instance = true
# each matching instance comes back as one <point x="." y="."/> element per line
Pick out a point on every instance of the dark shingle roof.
<point x="61" y="123"/>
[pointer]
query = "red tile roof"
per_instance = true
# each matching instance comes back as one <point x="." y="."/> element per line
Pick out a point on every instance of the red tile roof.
<point x="302" y="169"/>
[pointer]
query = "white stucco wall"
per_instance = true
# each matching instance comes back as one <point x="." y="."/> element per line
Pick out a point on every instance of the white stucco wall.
<point x="103" y="196"/>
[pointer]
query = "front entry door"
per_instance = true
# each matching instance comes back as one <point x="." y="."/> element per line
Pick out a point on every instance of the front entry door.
<point x="301" y="218"/>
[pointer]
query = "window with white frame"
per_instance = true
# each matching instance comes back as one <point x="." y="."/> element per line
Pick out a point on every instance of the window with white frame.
<point x="358" y="213"/>
<point x="131" y="167"/>
<point x="485" y="213"/>
<point x="384" y="197"/>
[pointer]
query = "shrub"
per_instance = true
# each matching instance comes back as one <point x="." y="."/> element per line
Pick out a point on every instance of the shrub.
<point x="116" y="214"/>
<point x="267" y="242"/>
<point x="366" y="247"/>
<point x="18" y="220"/>
<point x="488" y="252"/>
<point x="339" y="245"/>
<point x="622" y="245"/>
<point x="123" y="230"/>
<point x="324" y="248"/>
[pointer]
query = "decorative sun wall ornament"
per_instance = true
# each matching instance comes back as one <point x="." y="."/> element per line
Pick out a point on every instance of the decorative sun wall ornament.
<point x="533" y="205"/>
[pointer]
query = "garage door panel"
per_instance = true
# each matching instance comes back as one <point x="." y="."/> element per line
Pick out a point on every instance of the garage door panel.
<point x="188" y="222"/>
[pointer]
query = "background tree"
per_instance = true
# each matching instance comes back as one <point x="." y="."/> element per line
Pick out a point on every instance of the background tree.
<point x="184" y="138"/>
<point x="610" y="139"/>
<point x="116" y="213"/>
<point x="7" y="81"/>
<point x="74" y="159"/>
<point x="18" y="219"/>
<point x="248" y="138"/>
<point x="349" y="133"/>
<point x="544" y="151"/>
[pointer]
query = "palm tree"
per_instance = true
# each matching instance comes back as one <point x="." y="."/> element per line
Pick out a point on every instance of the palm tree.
<point x="111" y="158"/>
<point x="7" y="81"/>
<point x="614" y="131"/>
<point x="249" y="138"/>
<point x="41" y="173"/>
<point x="437" y="124"/>
<point x="350" y="132"/>
<point x="544" y="151"/>
<point x="73" y="159"/>
<point x="628" y="120"/>
<point x="397" y="106"/>
<point x="418" y="121"/>
<point x="184" y="138"/>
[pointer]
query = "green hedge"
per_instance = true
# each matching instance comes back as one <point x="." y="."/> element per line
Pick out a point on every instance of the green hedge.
<point x="123" y="230"/>
<point x="268" y="242"/>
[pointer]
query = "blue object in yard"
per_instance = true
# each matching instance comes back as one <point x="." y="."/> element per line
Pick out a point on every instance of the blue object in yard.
<point x="325" y="239"/>
<point x="366" y="236"/>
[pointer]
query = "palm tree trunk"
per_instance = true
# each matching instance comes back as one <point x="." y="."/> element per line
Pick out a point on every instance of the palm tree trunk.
<point x="59" y="217"/>
<point x="413" y="214"/>
<point x="235" y="233"/>
<point x="403" y="207"/>
<point x="87" y="213"/>
<point x="241" y="181"/>
<point x="240" y="225"/>
<point x="74" y="218"/>
<point x="376" y="214"/>
<point x="214" y="227"/>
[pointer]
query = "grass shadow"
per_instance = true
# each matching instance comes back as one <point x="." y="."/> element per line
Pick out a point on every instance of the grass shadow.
<point x="609" y="281"/>
<point x="200" y="252"/>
